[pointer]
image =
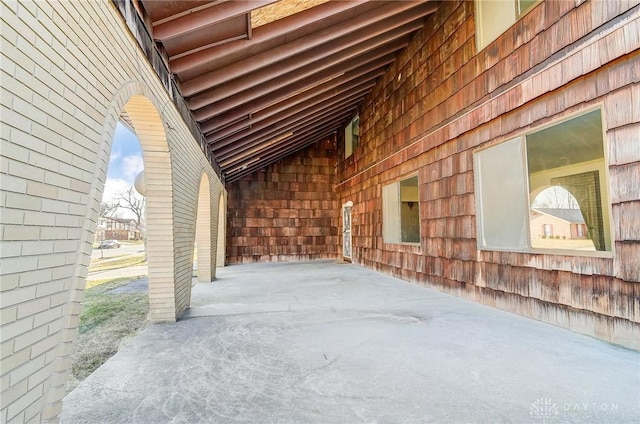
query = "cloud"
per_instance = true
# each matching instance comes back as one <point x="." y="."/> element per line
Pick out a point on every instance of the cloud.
<point x="132" y="165"/>
<point x="115" y="155"/>
<point x="113" y="187"/>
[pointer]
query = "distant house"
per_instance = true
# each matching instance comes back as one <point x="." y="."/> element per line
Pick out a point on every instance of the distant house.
<point x="558" y="223"/>
<point x="118" y="229"/>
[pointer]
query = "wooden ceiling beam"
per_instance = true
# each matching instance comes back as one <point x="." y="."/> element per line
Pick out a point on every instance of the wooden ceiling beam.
<point x="264" y="162"/>
<point x="279" y="76"/>
<point x="291" y="106"/>
<point x="286" y="119"/>
<point x="277" y="152"/>
<point x="333" y="118"/>
<point x="329" y="115"/>
<point x="359" y="29"/>
<point x="204" y="17"/>
<point x="262" y="36"/>
<point x="250" y="155"/>
<point x="352" y="69"/>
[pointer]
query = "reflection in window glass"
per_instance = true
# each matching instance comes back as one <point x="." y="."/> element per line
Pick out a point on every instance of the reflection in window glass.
<point x="401" y="216"/>
<point x="556" y="221"/>
<point x="409" y="215"/>
<point x="567" y="160"/>
<point x="566" y="203"/>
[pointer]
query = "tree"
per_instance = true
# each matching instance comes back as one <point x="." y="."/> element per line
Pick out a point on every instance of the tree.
<point x="108" y="209"/>
<point x="135" y="203"/>
<point x="132" y="201"/>
<point x="555" y="197"/>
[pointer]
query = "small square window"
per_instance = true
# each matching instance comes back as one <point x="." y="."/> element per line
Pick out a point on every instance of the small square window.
<point x="401" y="212"/>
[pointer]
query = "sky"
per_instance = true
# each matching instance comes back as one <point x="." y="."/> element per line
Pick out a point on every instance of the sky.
<point x="126" y="162"/>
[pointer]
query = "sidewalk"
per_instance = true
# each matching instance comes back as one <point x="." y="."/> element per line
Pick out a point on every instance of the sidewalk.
<point x="130" y="271"/>
<point x="335" y="343"/>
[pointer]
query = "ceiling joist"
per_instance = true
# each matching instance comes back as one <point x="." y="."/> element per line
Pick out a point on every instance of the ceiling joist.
<point x="304" y="78"/>
<point x="328" y="117"/>
<point x="203" y="17"/>
<point x="282" y="122"/>
<point x="281" y="110"/>
<point x="262" y="39"/>
<point x="260" y="94"/>
<point x="290" y="57"/>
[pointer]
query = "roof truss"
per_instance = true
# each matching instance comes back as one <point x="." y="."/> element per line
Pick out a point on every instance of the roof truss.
<point x="260" y="94"/>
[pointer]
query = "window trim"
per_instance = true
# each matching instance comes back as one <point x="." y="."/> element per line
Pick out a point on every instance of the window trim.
<point x="399" y="241"/>
<point x="481" y="43"/>
<point x="520" y="14"/>
<point x="479" y="201"/>
<point x="522" y="133"/>
<point x="349" y="147"/>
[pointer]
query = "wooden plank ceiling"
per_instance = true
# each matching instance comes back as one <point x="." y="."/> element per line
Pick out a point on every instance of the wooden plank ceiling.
<point x="263" y="91"/>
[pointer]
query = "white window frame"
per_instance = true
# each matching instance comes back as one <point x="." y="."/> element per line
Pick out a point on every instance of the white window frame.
<point x="391" y="213"/>
<point x="502" y="215"/>
<point x="348" y="136"/>
<point x="492" y="21"/>
<point x="481" y="203"/>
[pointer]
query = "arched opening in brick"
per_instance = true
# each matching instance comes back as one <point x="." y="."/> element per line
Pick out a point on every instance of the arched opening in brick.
<point x="115" y="303"/>
<point x="121" y="215"/>
<point x="222" y="231"/>
<point x="204" y="257"/>
<point x="145" y="120"/>
<point x="115" y="300"/>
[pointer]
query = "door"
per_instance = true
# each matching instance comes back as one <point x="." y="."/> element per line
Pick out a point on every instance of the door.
<point x="346" y="231"/>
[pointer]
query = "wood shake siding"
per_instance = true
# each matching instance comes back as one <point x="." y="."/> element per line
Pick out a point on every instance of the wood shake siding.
<point x="441" y="100"/>
<point x="288" y="211"/>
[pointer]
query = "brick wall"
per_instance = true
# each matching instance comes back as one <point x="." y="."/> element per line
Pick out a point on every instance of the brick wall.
<point x="286" y="212"/>
<point x="69" y="69"/>
<point x="442" y="99"/>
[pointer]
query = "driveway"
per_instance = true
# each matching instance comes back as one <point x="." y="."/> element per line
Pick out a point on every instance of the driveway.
<point x="324" y="342"/>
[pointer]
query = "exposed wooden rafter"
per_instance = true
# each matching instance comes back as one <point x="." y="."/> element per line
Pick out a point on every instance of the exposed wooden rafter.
<point x="262" y="93"/>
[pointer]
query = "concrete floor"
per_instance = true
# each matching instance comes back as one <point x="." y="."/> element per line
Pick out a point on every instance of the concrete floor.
<point x="336" y="343"/>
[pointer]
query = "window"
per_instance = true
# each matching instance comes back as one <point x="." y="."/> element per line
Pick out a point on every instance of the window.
<point x="401" y="212"/>
<point x="535" y="191"/>
<point x="351" y="136"/>
<point x="493" y="17"/>
<point x="525" y="5"/>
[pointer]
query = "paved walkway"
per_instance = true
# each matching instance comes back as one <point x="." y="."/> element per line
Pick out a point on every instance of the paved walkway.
<point x="130" y="271"/>
<point x="335" y="343"/>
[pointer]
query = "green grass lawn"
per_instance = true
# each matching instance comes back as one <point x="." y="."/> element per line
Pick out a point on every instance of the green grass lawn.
<point x="106" y="322"/>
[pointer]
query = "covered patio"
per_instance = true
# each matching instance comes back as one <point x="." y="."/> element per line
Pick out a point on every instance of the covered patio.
<point x="327" y="342"/>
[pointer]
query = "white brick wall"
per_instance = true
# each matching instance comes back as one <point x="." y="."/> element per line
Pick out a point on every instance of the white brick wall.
<point x="220" y="229"/>
<point x="63" y="89"/>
